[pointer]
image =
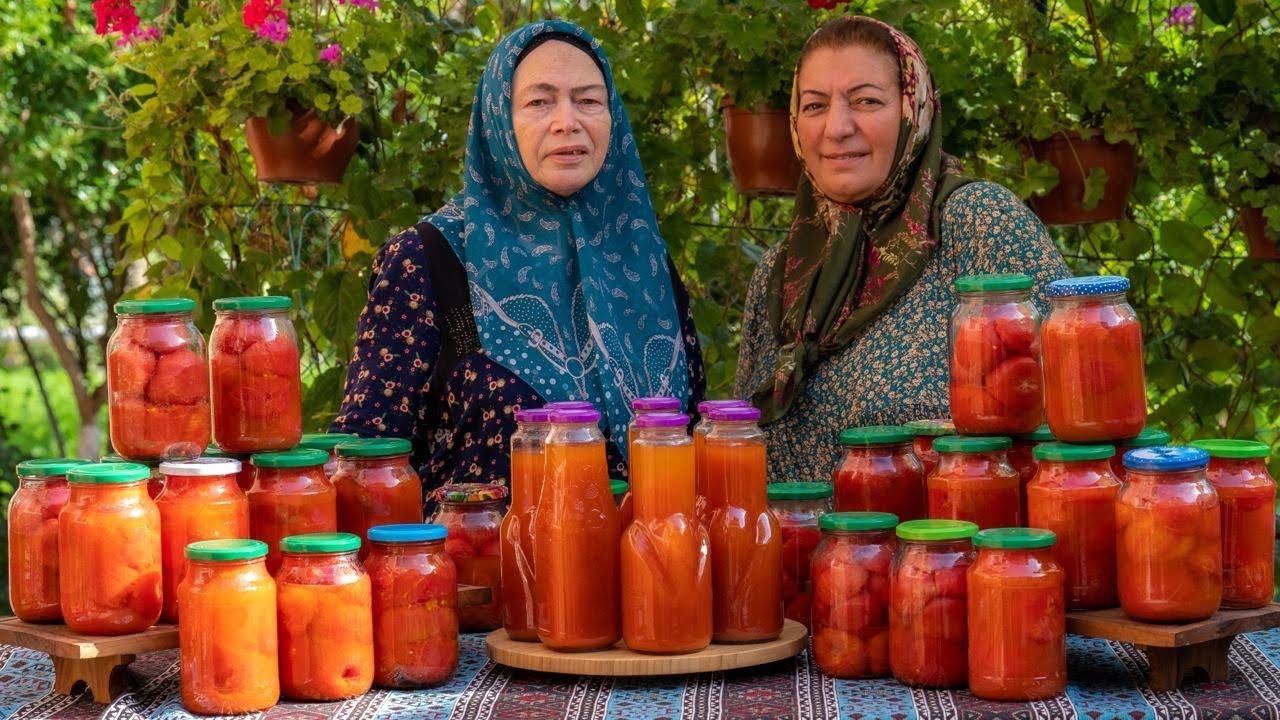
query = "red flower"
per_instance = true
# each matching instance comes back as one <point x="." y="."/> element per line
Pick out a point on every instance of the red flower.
<point x="115" y="16"/>
<point x="257" y="12"/>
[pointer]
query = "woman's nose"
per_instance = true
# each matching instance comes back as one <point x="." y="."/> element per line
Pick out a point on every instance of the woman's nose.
<point x="840" y="121"/>
<point x="565" y="117"/>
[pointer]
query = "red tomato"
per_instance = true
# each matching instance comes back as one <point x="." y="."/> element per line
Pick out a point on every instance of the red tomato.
<point x="1016" y="384"/>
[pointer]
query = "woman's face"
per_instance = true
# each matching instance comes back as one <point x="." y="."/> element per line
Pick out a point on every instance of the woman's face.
<point x="560" y="114"/>
<point x="849" y="115"/>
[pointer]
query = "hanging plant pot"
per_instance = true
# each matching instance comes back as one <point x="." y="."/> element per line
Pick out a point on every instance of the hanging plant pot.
<point x="1262" y="241"/>
<point x="309" y="151"/>
<point x="1075" y="155"/>
<point x="761" y="156"/>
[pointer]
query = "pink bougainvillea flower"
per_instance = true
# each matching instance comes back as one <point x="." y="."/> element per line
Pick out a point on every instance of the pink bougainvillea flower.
<point x="275" y="29"/>
<point x="115" y="16"/>
<point x="332" y="54"/>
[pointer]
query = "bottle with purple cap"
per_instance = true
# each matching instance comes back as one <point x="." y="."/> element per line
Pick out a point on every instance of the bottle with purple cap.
<point x="700" y="431"/>
<point x="527" y="467"/>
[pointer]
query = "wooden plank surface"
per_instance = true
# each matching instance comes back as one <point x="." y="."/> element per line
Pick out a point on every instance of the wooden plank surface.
<point x="1113" y="624"/>
<point x="61" y="641"/>
<point x="619" y="661"/>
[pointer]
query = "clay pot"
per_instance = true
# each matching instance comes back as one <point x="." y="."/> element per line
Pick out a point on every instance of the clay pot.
<point x="761" y="156"/>
<point x="309" y="151"/>
<point x="1262" y="241"/>
<point x="1074" y="155"/>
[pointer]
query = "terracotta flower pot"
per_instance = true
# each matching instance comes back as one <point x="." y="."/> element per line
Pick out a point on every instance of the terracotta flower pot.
<point x="761" y="156"/>
<point x="1262" y="241"/>
<point x="309" y="151"/>
<point x="1074" y="155"/>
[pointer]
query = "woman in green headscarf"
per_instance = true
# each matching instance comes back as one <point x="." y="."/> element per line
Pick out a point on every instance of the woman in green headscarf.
<point x="846" y="320"/>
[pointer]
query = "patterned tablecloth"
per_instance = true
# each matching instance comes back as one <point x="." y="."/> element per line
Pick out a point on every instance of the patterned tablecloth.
<point x="1107" y="681"/>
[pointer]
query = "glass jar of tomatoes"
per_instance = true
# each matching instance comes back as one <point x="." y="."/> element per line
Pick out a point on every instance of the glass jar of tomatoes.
<point x="925" y="432"/>
<point x="1247" y="497"/>
<point x="472" y="513"/>
<point x="157" y="381"/>
<point x="851" y="594"/>
<point x="256" y="375"/>
<point x="376" y="485"/>
<point x="326" y="618"/>
<point x="290" y="496"/>
<point x="329" y="443"/>
<point x="1023" y="459"/>
<point x="928" y="612"/>
<point x="1015" y="597"/>
<point x="1149" y="437"/>
<point x="528" y="467"/>
<point x="227" y="639"/>
<point x="798" y="506"/>
<point x="1168" y="536"/>
<point x="880" y="473"/>
<point x="415" y="606"/>
<point x="33" y="538"/>
<point x="1093" y="364"/>
<point x="975" y="482"/>
<point x="994" y="365"/>
<point x="109" y="545"/>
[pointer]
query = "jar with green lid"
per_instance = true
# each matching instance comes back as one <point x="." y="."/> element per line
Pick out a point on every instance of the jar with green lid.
<point x="798" y="506"/>
<point x="376" y="485"/>
<point x="255" y="374"/>
<point x="33" y="537"/>
<point x="975" y="482"/>
<point x="880" y="473"/>
<point x="291" y="495"/>
<point x="329" y="443"/>
<point x="1149" y="437"/>
<point x="1247" y="496"/>
<point x="925" y="432"/>
<point x="928" y="607"/>
<point x="157" y="381"/>
<point x="851" y="593"/>
<point x="155" y="484"/>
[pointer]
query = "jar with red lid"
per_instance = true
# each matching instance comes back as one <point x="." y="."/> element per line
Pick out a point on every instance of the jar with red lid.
<point x="1149" y="437"/>
<point x="1022" y="458"/>
<point x="851" y="594"/>
<point x="799" y="506"/>
<point x="528" y="467"/>
<point x="1247" y="497"/>
<point x="1018" y="650"/>
<point x="472" y="513"/>
<point x="290" y="496"/>
<point x="699" y="433"/>
<point x="109" y="544"/>
<point x="157" y="381"/>
<point x="33" y="538"/>
<point x="1168" y="536"/>
<point x="256" y="375"/>
<point x="880" y="473"/>
<point x="928" y="609"/>
<point x="1094" y="382"/>
<point x="925" y="433"/>
<point x="325" y="618"/>
<point x="1074" y="496"/>
<point x="376" y="485"/>
<point x="975" y="482"/>
<point x="329" y="443"/>
<point x="415" y="606"/>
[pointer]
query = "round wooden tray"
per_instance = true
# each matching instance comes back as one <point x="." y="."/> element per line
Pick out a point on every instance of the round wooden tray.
<point x="619" y="661"/>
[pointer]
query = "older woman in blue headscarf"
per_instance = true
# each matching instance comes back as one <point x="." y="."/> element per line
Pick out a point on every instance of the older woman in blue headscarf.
<point x="545" y="279"/>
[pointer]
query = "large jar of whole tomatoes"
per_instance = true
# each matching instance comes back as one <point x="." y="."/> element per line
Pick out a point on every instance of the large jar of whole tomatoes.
<point x="928" y="613"/>
<point x="699" y="433"/>
<point x="1074" y="496"/>
<point x="201" y="501"/>
<point x="415" y="606"/>
<point x="798" y="506"/>
<point x="1023" y="459"/>
<point x="109" y="544"/>
<point x="256" y="375"/>
<point x="33" y="538"/>
<point x="1018" y="651"/>
<point x="290" y="496"/>
<point x="472" y="513"/>
<point x="227" y="638"/>
<point x="376" y="485"/>
<point x="157" y="381"/>
<point x="1149" y="437"/>
<point x="528" y="467"/>
<point x="1093" y="363"/>
<point x="995" y="383"/>
<point x="880" y="473"/>
<point x="1168" y="536"/>
<point x="925" y="432"/>
<point x="326" y="618"/>
<point x="1238" y="472"/>
<point x="975" y="482"/>
<point x="851" y="594"/>
<point x="329" y="443"/>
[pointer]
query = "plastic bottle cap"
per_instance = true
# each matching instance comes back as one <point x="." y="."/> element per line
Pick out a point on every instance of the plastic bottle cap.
<point x="1041" y="434"/>
<point x="876" y="435"/>
<point x="407" y="533"/>
<point x="993" y="282"/>
<point x="1065" y="452"/>
<point x="325" y="441"/>
<point x="1090" y="285"/>
<point x="735" y="413"/>
<point x="48" y="467"/>
<point x="799" y="490"/>
<point x="1166" y="457"/>
<point x="200" y="467"/>
<point x="618" y="487"/>
<point x="567" y="416"/>
<point x="1147" y="438"/>
<point x="109" y="473"/>
<point x="661" y="420"/>
<point x="334" y="542"/>
<point x="936" y="530"/>
<point x="708" y="405"/>
<point x="656" y="404"/>
<point x="533" y="415"/>
<point x="469" y="493"/>
<point x="296" y="458"/>
<point x="155" y="306"/>
<point x="935" y="427"/>
<point x="569" y="405"/>
<point x="226" y="550"/>
<point x="1014" y="538"/>
<point x="1233" y="449"/>
<point x="858" y="521"/>
<point x="971" y="443"/>
<point x="260" y="302"/>
<point x="374" y="447"/>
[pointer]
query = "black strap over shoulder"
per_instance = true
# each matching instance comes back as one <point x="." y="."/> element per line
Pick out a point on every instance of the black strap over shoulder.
<point x="452" y="296"/>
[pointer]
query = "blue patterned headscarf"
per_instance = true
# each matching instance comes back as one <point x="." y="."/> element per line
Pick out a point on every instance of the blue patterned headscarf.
<point x="572" y="294"/>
